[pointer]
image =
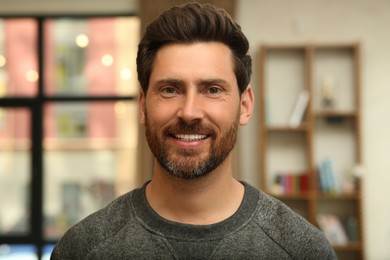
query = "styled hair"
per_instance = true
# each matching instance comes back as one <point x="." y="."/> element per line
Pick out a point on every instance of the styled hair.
<point x="191" y="23"/>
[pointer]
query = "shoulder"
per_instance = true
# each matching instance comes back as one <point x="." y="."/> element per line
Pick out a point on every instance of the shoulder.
<point x="95" y="229"/>
<point x="290" y="231"/>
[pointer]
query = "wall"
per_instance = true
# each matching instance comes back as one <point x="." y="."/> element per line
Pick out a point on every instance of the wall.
<point x="366" y="21"/>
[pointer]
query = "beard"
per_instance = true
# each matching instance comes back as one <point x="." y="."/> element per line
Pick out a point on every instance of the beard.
<point x="186" y="163"/>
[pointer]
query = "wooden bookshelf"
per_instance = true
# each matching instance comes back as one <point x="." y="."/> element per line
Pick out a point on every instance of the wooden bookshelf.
<point x="326" y="145"/>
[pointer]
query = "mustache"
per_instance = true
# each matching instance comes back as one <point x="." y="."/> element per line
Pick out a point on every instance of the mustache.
<point x="193" y="127"/>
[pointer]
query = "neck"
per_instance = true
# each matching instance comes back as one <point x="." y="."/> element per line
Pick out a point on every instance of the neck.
<point x="206" y="200"/>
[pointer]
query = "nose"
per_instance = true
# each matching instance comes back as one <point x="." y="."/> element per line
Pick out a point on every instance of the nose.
<point x="191" y="107"/>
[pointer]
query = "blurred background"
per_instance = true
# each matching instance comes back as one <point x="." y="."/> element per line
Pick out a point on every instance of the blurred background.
<point x="70" y="140"/>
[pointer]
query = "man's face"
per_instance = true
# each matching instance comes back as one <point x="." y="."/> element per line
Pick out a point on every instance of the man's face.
<point x="192" y="108"/>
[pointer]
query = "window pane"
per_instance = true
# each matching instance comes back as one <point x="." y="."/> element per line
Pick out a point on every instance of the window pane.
<point x="90" y="158"/>
<point x="18" y="57"/>
<point x="47" y="251"/>
<point x="14" y="171"/>
<point x="91" y="56"/>
<point x="16" y="252"/>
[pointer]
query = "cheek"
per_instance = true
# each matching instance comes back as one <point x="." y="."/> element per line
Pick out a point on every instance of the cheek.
<point x="158" y="115"/>
<point x="224" y="111"/>
<point x="224" y="118"/>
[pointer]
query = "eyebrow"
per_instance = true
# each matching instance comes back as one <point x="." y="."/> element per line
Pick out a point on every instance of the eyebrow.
<point x="216" y="81"/>
<point x="170" y="81"/>
<point x="178" y="82"/>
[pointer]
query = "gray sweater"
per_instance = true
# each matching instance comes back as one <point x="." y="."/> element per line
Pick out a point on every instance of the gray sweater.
<point x="128" y="228"/>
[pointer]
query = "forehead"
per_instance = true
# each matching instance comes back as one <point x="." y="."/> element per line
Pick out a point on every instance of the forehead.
<point x="199" y="46"/>
<point x="194" y="60"/>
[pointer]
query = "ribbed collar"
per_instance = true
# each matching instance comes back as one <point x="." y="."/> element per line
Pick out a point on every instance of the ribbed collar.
<point x="171" y="229"/>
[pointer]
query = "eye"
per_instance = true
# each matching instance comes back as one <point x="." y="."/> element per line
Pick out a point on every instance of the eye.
<point x="168" y="90"/>
<point x="214" y="90"/>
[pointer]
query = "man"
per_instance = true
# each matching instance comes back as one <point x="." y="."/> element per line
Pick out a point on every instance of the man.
<point x="194" y="71"/>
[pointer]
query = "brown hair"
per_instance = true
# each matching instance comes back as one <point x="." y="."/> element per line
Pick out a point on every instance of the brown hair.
<point x="189" y="23"/>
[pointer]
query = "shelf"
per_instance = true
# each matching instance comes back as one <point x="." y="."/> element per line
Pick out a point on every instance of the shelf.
<point x="326" y="146"/>
<point x="348" y="247"/>
<point x="335" y="114"/>
<point x="316" y="195"/>
<point x="286" y="128"/>
<point x="346" y="196"/>
<point x="299" y="196"/>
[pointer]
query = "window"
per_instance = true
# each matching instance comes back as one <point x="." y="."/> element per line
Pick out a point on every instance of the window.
<point x="68" y="124"/>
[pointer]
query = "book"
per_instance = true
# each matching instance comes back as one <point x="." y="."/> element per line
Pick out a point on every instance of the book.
<point x="329" y="181"/>
<point x="323" y="179"/>
<point x="299" y="109"/>
<point x="304" y="182"/>
<point x="290" y="183"/>
<point x="333" y="229"/>
<point x="351" y="227"/>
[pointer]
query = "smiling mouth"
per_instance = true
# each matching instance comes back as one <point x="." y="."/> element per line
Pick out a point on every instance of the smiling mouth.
<point x="190" y="137"/>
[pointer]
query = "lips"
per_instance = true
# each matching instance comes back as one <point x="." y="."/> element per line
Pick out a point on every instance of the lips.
<point x="190" y="137"/>
<point x="194" y="132"/>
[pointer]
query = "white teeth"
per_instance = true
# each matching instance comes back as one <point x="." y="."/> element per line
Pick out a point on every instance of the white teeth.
<point x="190" y="137"/>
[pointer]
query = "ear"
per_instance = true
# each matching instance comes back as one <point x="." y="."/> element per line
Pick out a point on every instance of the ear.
<point x="141" y="107"/>
<point x="247" y="105"/>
